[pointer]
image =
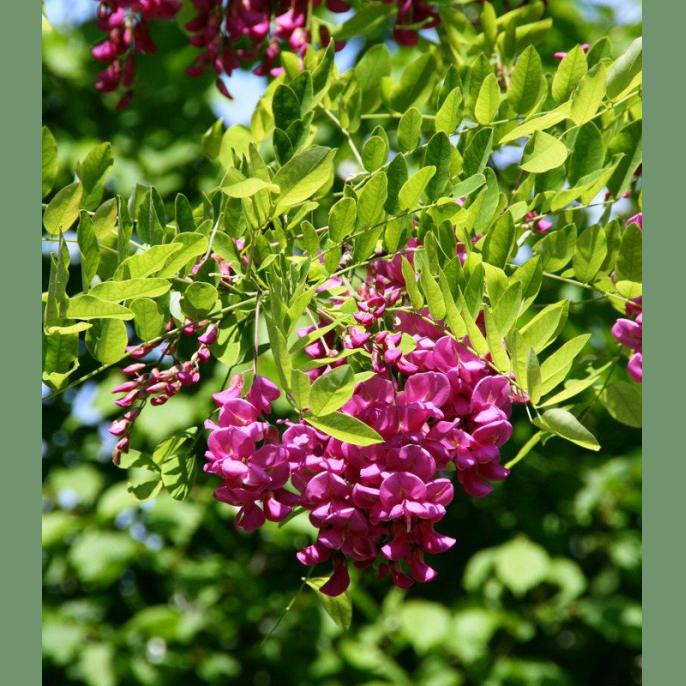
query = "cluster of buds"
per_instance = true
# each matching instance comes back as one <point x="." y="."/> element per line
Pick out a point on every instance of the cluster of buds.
<point x="125" y="23"/>
<point x="150" y="383"/>
<point x="561" y="55"/>
<point x="532" y="220"/>
<point x="230" y="34"/>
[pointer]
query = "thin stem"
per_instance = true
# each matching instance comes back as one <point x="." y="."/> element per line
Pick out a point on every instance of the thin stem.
<point x="346" y="133"/>
<point x="145" y="344"/>
<point x="587" y="286"/>
<point x="525" y="449"/>
<point x="289" y="607"/>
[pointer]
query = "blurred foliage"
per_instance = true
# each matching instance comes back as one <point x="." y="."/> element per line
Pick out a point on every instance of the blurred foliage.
<point x="543" y="588"/>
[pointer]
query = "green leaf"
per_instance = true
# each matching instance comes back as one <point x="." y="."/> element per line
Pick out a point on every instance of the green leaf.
<point x="478" y="151"/>
<point x="345" y="428"/>
<point x="432" y="292"/>
<point x="576" y="386"/>
<point x="90" y="307"/>
<point x="476" y="338"/>
<point x="89" y="249"/>
<point x="555" y="368"/>
<point x="60" y="357"/>
<point x="625" y="68"/>
<point x="177" y="464"/>
<point x="397" y="175"/>
<point x="198" y="299"/>
<point x="332" y="390"/>
<point x="570" y="71"/>
<point x="489" y="26"/>
<point x="415" y="84"/>
<point x="183" y="212"/>
<point x="412" y="189"/>
<point x="588" y="95"/>
<point x="192" y="245"/>
<point x="591" y="249"/>
<point x="564" y="424"/>
<point x="530" y="275"/>
<point x="285" y="106"/>
<point x="538" y="123"/>
<point x="371" y="68"/>
<point x="488" y="100"/>
<point x="108" y="340"/>
<point x="374" y="153"/>
<point x="438" y="154"/>
<point x="623" y="401"/>
<point x="310" y="239"/>
<point x="426" y="625"/>
<point x="147" y="262"/>
<point x="149" y="318"/>
<point x="525" y="82"/>
<point x="542" y="153"/>
<point x="322" y="73"/>
<point x="409" y="129"/>
<point x="540" y="331"/>
<point x="588" y="154"/>
<point x="630" y="258"/>
<point x="448" y="115"/>
<point x="521" y="565"/>
<point x="499" y="242"/>
<point x="468" y="186"/>
<point x="116" y="291"/>
<point x="342" y="217"/>
<point x="149" y="222"/>
<point x="279" y="347"/>
<point x="533" y="377"/>
<point x="49" y="161"/>
<point x="367" y="19"/>
<point x="339" y="607"/>
<point x="452" y="314"/>
<point x="371" y="200"/>
<point x="249" y="187"/>
<point x="629" y="143"/>
<point x="63" y="210"/>
<point x="235" y="142"/>
<point x="302" y="176"/>
<point x="506" y="309"/>
<point x="410" y="279"/>
<point x="557" y="248"/>
<point x="300" y="387"/>
<point x="93" y="168"/>
<point x="495" y="343"/>
<point x="57" y="286"/>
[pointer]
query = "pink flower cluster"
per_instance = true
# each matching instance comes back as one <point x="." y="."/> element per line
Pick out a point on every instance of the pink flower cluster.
<point x="125" y="22"/>
<point x="629" y="332"/>
<point x="438" y="407"/>
<point x="152" y="384"/>
<point x="230" y="34"/>
<point x="377" y="503"/>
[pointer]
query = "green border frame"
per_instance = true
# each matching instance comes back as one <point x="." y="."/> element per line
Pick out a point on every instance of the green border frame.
<point x="665" y="467"/>
<point x="664" y="564"/>
<point x="20" y="501"/>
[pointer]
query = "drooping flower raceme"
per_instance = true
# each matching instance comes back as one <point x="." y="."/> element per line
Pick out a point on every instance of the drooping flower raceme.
<point x="439" y="408"/>
<point x="230" y="34"/>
